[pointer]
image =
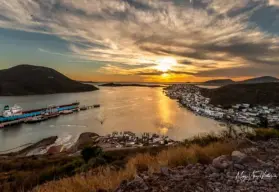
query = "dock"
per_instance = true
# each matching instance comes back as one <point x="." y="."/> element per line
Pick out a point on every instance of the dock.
<point x="10" y="123"/>
<point x="13" y="120"/>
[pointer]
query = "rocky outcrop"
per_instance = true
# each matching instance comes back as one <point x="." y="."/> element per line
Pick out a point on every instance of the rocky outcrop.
<point x="55" y="149"/>
<point x="36" y="148"/>
<point x="85" y="139"/>
<point x="250" y="169"/>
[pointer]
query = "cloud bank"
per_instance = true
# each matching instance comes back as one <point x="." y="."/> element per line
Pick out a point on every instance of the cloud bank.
<point x="207" y="37"/>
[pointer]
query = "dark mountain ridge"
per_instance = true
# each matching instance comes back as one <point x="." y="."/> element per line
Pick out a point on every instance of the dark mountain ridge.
<point x="32" y="80"/>
<point x="255" y="94"/>
<point x="263" y="79"/>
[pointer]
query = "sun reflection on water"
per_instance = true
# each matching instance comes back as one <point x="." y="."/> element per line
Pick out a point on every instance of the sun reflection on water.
<point x="164" y="110"/>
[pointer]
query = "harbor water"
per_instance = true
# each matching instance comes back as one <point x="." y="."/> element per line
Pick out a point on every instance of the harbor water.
<point x="136" y="109"/>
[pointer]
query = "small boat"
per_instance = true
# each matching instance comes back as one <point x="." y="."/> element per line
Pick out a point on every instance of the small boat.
<point x="83" y="108"/>
<point x="51" y="112"/>
<point x="76" y="109"/>
<point x="66" y="112"/>
<point x="35" y="119"/>
<point x="51" y="115"/>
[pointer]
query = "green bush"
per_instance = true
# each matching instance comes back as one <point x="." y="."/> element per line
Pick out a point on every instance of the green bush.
<point x="98" y="161"/>
<point x="90" y="152"/>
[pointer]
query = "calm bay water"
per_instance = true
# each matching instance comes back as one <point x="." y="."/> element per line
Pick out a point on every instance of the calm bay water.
<point x="136" y="109"/>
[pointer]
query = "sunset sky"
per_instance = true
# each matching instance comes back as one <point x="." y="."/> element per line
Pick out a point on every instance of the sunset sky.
<point x="143" y="40"/>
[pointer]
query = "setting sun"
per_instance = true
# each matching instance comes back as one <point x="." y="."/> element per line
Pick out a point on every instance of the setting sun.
<point x="166" y="64"/>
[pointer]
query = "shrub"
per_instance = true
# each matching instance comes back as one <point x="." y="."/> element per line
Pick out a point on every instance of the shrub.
<point x="264" y="134"/>
<point x="90" y="152"/>
<point x="203" y="140"/>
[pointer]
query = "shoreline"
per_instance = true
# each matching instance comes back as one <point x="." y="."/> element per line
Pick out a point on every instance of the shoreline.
<point x="111" y="142"/>
<point x="191" y="98"/>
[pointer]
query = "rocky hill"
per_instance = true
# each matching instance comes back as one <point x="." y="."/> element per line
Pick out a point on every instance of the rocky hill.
<point x="31" y="80"/>
<point x="258" y="94"/>
<point x="264" y="79"/>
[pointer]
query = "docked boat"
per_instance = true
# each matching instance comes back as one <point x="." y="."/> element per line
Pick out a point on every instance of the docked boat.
<point x="66" y="112"/>
<point x="16" y="115"/>
<point x="51" y="112"/>
<point x="83" y="108"/>
<point x="8" y="111"/>
<point x="35" y="119"/>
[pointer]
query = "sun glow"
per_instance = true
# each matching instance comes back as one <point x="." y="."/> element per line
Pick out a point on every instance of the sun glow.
<point x="166" y="64"/>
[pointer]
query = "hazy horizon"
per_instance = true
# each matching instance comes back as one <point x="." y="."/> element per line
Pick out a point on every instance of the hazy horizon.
<point x="143" y="40"/>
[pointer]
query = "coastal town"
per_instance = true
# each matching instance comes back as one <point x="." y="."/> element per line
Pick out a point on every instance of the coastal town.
<point x="252" y="115"/>
<point x="128" y="139"/>
<point x="110" y="142"/>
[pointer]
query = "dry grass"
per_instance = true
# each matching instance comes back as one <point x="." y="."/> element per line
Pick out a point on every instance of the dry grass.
<point x="263" y="134"/>
<point x="107" y="178"/>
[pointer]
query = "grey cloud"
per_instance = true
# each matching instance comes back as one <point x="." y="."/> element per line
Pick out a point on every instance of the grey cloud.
<point x="138" y="66"/>
<point x="184" y="62"/>
<point x="249" y="51"/>
<point x="241" y="71"/>
<point x="173" y="52"/>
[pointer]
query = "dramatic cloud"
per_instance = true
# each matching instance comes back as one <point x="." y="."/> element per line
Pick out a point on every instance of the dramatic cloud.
<point x="206" y="37"/>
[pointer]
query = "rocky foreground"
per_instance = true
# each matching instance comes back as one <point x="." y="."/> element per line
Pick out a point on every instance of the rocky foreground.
<point x="251" y="169"/>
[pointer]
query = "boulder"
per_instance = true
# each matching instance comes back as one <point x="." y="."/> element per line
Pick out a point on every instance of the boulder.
<point x="237" y="156"/>
<point x="164" y="170"/>
<point x="84" y="140"/>
<point x="137" y="183"/>
<point x="238" y="166"/>
<point x="221" y="162"/>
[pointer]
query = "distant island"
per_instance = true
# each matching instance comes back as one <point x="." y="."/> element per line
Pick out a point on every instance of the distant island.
<point x="128" y="85"/>
<point x="34" y="80"/>
<point x="221" y="82"/>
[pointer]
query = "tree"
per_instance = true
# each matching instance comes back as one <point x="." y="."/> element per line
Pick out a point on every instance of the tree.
<point x="90" y="152"/>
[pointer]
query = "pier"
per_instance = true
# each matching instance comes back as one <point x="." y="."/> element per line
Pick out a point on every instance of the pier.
<point x="10" y="123"/>
<point x="14" y="120"/>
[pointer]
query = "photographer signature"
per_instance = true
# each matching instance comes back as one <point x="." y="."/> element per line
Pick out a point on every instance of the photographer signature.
<point x="255" y="175"/>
